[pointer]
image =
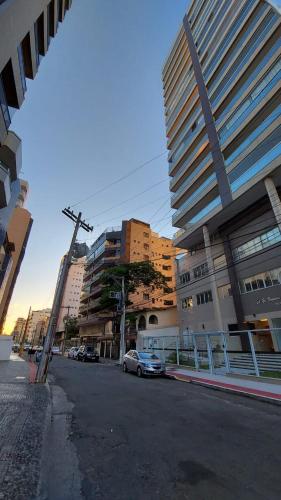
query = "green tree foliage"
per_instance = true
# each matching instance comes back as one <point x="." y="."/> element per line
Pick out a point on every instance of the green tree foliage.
<point x="71" y="327"/>
<point x="136" y="274"/>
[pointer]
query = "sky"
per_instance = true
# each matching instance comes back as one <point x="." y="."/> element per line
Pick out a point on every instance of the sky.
<point x="94" y="113"/>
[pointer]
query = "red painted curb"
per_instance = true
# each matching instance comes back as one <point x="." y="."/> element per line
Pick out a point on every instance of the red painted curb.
<point x="32" y="372"/>
<point x="232" y="387"/>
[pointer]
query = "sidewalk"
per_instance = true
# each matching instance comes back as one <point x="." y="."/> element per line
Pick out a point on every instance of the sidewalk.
<point x="256" y="388"/>
<point x="23" y="408"/>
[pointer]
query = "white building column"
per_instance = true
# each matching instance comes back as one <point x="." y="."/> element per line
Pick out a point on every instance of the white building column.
<point x="274" y="199"/>
<point x="212" y="276"/>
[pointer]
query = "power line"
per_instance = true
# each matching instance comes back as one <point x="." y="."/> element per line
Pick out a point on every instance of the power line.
<point x="128" y="199"/>
<point x="120" y="179"/>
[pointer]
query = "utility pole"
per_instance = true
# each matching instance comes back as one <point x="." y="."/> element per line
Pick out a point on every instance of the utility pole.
<point x="24" y="333"/>
<point x="122" y="302"/>
<point x="44" y="362"/>
<point x="123" y="321"/>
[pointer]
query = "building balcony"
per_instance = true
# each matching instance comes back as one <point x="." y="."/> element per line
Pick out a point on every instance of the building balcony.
<point x="106" y="262"/>
<point x="195" y="201"/>
<point x="96" y="291"/>
<point x="5" y="185"/>
<point x="190" y="179"/>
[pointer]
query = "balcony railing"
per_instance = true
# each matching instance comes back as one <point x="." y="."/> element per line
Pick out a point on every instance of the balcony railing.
<point x="190" y="177"/>
<point x="194" y="197"/>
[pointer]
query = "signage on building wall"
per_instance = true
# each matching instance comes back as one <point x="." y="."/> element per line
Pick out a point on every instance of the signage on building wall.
<point x="272" y="300"/>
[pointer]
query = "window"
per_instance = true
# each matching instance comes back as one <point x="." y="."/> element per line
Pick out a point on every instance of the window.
<point x="166" y="268"/>
<point x="204" y="297"/>
<point x="146" y="235"/>
<point x="4" y="105"/>
<point x="153" y="320"/>
<point x="22" y="70"/>
<point x="184" y="278"/>
<point x="39" y="38"/>
<point x="220" y="262"/>
<point x="261" y="280"/>
<point x="167" y="290"/>
<point x="146" y="257"/>
<point x="193" y="127"/>
<point x="186" y="302"/>
<point x="201" y="270"/>
<point x="146" y="246"/>
<point x="169" y="278"/>
<point x="166" y="257"/>
<point x="168" y="302"/>
<point x="224" y="291"/>
<point x="256" y="244"/>
<point x="145" y="296"/>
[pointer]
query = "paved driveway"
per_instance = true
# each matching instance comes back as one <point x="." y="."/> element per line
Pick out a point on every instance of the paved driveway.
<point x="160" y="439"/>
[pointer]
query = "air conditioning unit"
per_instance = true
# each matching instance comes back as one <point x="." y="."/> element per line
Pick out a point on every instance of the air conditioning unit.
<point x="115" y="295"/>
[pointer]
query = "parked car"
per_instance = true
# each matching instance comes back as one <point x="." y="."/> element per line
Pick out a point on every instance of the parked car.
<point x="16" y="348"/>
<point x="143" y="363"/>
<point x="87" y="353"/>
<point x="56" y="350"/>
<point x="72" y="353"/>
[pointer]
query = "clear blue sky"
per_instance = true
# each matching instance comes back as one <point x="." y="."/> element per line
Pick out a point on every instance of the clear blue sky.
<point x="93" y="113"/>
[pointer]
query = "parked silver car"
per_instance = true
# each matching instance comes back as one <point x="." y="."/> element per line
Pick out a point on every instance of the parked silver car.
<point x="143" y="363"/>
<point x="72" y="353"/>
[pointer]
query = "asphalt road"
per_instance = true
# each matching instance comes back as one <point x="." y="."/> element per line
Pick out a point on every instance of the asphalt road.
<point x="159" y="439"/>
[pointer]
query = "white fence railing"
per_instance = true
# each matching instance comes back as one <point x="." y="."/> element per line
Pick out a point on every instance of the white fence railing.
<point x="246" y="352"/>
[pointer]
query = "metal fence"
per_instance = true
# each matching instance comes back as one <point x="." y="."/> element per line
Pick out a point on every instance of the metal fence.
<point x="248" y="352"/>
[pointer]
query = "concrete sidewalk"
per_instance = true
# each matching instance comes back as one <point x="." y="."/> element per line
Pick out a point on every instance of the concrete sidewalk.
<point x="257" y="388"/>
<point x="23" y="410"/>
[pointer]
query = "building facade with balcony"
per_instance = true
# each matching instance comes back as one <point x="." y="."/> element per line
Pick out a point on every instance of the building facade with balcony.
<point x="26" y="27"/>
<point x="134" y="241"/>
<point x="222" y="91"/>
<point x="18" y="231"/>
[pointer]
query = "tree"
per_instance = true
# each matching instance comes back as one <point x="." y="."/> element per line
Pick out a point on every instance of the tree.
<point x="136" y="274"/>
<point x="71" y="327"/>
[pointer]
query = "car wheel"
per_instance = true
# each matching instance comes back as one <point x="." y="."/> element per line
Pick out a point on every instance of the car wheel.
<point x="139" y="372"/>
<point x="125" y="369"/>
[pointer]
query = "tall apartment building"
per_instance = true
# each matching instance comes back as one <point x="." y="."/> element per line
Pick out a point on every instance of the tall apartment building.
<point x="71" y="295"/>
<point x="133" y="242"/>
<point x="36" y="318"/>
<point x="26" y="28"/>
<point x="223" y="121"/>
<point x="19" y="329"/>
<point x="18" y="232"/>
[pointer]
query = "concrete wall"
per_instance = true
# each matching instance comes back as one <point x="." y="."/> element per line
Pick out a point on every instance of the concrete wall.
<point x="155" y="332"/>
<point x="6" y="342"/>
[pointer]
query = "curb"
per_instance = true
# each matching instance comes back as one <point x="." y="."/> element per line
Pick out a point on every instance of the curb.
<point x="232" y="390"/>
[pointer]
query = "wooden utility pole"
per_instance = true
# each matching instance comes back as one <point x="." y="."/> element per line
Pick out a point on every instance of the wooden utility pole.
<point x="44" y="362"/>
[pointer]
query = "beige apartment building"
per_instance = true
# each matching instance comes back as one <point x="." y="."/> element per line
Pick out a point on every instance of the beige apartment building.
<point x="19" y="329"/>
<point x="134" y="241"/>
<point x="71" y="295"/>
<point x="18" y="232"/>
<point x="35" y="322"/>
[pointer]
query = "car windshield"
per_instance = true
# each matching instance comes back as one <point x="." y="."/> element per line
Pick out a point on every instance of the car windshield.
<point x="148" y="355"/>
